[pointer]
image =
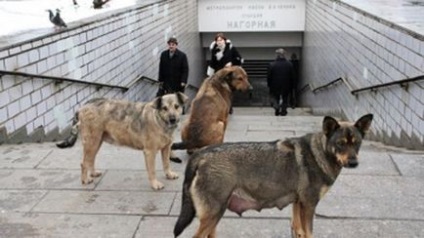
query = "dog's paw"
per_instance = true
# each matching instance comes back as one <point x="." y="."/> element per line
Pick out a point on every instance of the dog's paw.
<point x="87" y="180"/>
<point x="96" y="174"/>
<point x="297" y="234"/>
<point x="171" y="175"/>
<point x="156" y="185"/>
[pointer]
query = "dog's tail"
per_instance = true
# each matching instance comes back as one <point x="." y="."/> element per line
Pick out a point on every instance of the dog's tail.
<point x="70" y="141"/>
<point x="188" y="211"/>
<point x="179" y="146"/>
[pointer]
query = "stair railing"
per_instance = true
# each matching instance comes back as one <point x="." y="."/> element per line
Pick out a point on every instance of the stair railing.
<point x="59" y="80"/>
<point x="403" y="83"/>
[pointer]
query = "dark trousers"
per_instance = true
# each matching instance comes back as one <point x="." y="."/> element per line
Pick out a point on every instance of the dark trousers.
<point x="279" y="102"/>
<point x="166" y="88"/>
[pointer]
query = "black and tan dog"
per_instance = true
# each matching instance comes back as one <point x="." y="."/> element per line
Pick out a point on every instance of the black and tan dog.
<point x="255" y="175"/>
<point x="208" y="117"/>
<point x="143" y="126"/>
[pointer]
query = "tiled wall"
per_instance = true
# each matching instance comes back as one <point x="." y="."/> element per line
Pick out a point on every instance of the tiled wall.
<point x="341" y="41"/>
<point x="113" y="50"/>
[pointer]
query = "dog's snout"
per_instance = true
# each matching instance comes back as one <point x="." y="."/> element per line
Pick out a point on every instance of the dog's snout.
<point x="247" y="87"/>
<point x="352" y="162"/>
<point x="173" y="119"/>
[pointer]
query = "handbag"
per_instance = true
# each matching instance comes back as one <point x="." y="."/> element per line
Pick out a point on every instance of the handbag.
<point x="210" y="71"/>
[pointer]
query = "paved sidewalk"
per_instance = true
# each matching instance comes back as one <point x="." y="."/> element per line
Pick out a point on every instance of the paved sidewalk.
<point x="41" y="194"/>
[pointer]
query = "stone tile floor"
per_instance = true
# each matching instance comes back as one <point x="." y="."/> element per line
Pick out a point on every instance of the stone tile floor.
<point x="41" y="194"/>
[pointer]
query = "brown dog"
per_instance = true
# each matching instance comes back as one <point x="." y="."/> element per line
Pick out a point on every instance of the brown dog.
<point x="144" y="126"/>
<point x="208" y="116"/>
<point x="254" y="175"/>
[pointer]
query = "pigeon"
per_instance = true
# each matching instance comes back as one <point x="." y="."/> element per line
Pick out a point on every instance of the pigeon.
<point x="56" y="19"/>
<point x="75" y="3"/>
<point x="99" y="3"/>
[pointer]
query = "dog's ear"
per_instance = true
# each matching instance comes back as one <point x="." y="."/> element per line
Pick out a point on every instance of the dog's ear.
<point x="363" y="124"/>
<point x="329" y="125"/>
<point x="228" y="77"/>
<point x="182" y="98"/>
<point x="158" y="102"/>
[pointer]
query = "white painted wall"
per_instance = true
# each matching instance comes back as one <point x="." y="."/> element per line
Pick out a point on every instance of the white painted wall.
<point x="114" y="49"/>
<point x="341" y="41"/>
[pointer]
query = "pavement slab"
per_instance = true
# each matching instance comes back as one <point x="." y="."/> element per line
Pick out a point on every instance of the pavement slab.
<point x="130" y="180"/>
<point x="383" y="197"/>
<point x="20" y="200"/>
<point x="153" y="227"/>
<point x="22" y="156"/>
<point x="107" y="202"/>
<point x="41" y="179"/>
<point x="409" y="164"/>
<point x="18" y="225"/>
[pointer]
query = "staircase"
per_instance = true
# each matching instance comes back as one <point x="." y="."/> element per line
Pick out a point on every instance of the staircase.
<point x="257" y="71"/>
<point x="256" y="68"/>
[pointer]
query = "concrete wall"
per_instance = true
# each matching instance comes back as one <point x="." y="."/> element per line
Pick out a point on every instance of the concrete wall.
<point x="342" y="41"/>
<point x="114" y="49"/>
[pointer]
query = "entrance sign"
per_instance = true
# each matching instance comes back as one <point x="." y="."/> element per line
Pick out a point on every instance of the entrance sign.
<point x="251" y="15"/>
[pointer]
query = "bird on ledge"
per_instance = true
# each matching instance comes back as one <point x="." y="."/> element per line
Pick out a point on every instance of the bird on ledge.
<point x="97" y="4"/>
<point x="56" y="19"/>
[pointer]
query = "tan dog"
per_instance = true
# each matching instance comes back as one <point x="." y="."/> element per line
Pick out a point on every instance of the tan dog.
<point x="143" y="126"/>
<point x="208" y="118"/>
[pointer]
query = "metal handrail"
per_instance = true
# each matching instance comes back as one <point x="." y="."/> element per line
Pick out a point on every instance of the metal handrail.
<point x="98" y="85"/>
<point x="304" y="88"/>
<point x="342" y="79"/>
<point x="314" y="90"/>
<point x="402" y="82"/>
<point x="61" y="79"/>
<point x="141" y="78"/>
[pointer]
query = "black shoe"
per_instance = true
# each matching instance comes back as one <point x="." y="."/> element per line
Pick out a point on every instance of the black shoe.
<point x="231" y="110"/>
<point x="277" y="113"/>
<point x="283" y="113"/>
<point x="175" y="160"/>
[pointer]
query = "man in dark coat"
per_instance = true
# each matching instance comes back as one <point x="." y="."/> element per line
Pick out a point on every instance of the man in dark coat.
<point x="173" y="69"/>
<point x="280" y="79"/>
<point x="293" y="97"/>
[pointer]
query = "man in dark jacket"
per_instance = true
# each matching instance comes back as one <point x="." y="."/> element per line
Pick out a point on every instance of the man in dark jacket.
<point x="173" y="69"/>
<point x="280" y="79"/>
<point x="293" y="97"/>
